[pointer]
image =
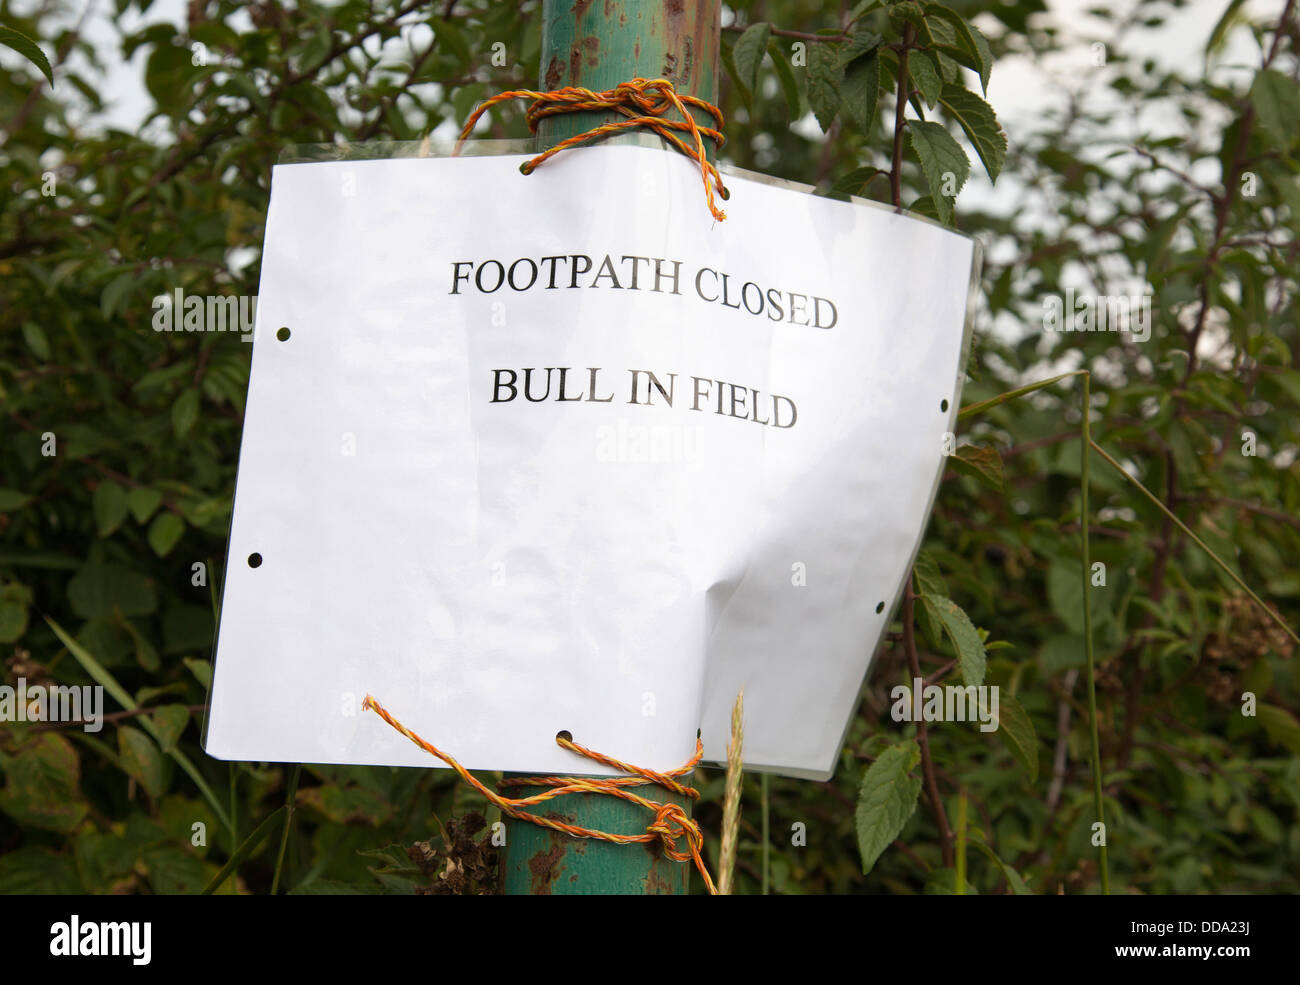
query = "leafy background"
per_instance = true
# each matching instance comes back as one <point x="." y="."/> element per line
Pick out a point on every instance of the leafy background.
<point x="1183" y="180"/>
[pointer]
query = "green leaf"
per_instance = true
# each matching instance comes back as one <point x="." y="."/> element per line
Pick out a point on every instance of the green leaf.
<point x="38" y="871"/>
<point x="14" y="599"/>
<point x="170" y="722"/>
<point x="929" y="579"/>
<point x="185" y="411"/>
<point x="109" y="504"/>
<point x="1060" y="653"/>
<point x="142" y="760"/>
<point x="863" y="42"/>
<point x="450" y="39"/>
<point x="911" y="11"/>
<point x="104" y="592"/>
<point x="824" y="77"/>
<point x="925" y="75"/>
<point x="789" y="87"/>
<point x="173" y="871"/>
<point x="146" y="654"/>
<point x="98" y="590"/>
<point x="886" y="799"/>
<point x="965" y="637"/>
<point x="1281" y="726"/>
<point x="42" y="780"/>
<point x="981" y="125"/>
<point x="1016" y="729"/>
<point x="855" y="181"/>
<point x="748" y="53"/>
<point x="1277" y="104"/>
<point x="984" y="54"/>
<point x="865" y="7"/>
<point x="249" y="845"/>
<point x="1018" y="886"/>
<point x="981" y="461"/>
<point x="12" y="499"/>
<point x="142" y="502"/>
<point x="101" y="676"/>
<point x="969" y="39"/>
<point x="346" y="804"/>
<point x="861" y="91"/>
<point x="36" y="340"/>
<point x="169" y="72"/>
<point x="164" y="532"/>
<point x="103" y="858"/>
<point x="1065" y="596"/>
<point x="1225" y="24"/>
<point x="113" y="294"/>
<point x="943" y="162"/>
<point x="201" y="669"/>
<point x="28" y="48"/>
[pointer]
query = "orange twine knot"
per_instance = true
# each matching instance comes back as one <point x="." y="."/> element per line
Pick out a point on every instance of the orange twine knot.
<point x="671" y="822"/>
<point x="643" y="101"/>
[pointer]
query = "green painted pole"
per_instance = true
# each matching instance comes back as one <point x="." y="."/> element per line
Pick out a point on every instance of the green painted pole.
<point x="597" y="44"/>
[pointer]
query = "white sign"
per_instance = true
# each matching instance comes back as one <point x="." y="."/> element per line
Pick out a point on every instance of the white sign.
<point x="561" y="452"/>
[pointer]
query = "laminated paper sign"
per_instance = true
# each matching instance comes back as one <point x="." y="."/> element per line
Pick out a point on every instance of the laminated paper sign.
<point x="561" y="452"/>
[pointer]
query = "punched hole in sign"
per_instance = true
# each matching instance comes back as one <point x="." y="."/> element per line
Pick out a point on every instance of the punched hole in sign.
<point x="283" y="334"/>
<point x="254" y="560"/>
<point x="880" y="607"/>
<point x="943" y="405"/>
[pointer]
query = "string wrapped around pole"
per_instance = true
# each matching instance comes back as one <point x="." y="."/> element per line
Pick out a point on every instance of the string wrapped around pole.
<point x="670" y="822"/>
<point x="644" y="103"/>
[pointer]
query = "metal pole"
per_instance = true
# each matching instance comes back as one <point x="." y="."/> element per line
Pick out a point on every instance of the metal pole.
<point x="597" y="44"/>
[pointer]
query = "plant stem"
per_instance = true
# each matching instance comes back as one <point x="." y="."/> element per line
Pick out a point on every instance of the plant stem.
<point x="896" y="169"/>
<point x="243" y="851"/>
<point x="234" y="804"/>
<point x="1003" y="398"/>
<point x="922" y="733"/>
<point x="290" y="798"/>
<point x="1197" y="540"/>
<point x="1084" y="455"/>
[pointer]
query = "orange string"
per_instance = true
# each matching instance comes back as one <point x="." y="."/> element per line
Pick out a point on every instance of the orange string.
<point x="643" y="101"/>
<point x="670" y="823"/>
